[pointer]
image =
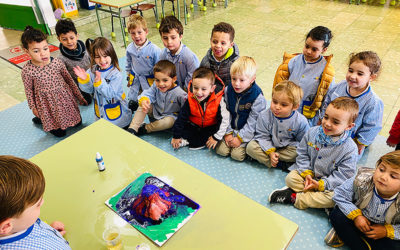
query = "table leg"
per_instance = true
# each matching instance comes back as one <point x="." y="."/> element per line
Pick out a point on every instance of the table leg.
<point x="98" y="19"/>
<point x="122" y="26"/>
<point x="185" y="11"/>
<point x="157" y="20"/>
<point x="179" y="9"/>
<point x="226" y="3"/>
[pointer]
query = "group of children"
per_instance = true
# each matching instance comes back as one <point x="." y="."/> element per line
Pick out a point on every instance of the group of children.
<point x="314" y="128"/>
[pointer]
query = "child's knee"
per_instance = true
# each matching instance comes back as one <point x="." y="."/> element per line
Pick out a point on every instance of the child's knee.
<point x="238" y="154"/>
<point x="222" y="149"/>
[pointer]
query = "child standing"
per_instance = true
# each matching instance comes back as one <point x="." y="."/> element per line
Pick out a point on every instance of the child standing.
<point x="186" y="62"/>
<point x="73" y="51"/>
<point x="327" y="156"/>
<point x="50" y="91"/>
<point x="244" y="101"/>
<point x="141" y="56"/>
<point x="21" y="194"/>
<point x="367" y="214"/>
<point x="162" y="102"/>
<point x="280" y="128"/>
<point x="394" y="134"/>
<point x="203" y="119"/>
<point x="223" y="51"/>
<point x="310" y="70"/>
<point x="104" y="81"/>
<point x="363" y="68"/>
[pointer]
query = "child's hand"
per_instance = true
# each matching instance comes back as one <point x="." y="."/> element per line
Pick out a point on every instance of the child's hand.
<point x="83" y="102"/>
<point x="59" y="226"/>
<point x="390" y="144"/>
<point x="310" y="184"/>
<point x="98" y="76"/>
<point x="176" y="143"/>
<point x="35" y="112"/>
<point x="377" y="232"/>
<point x="145" y="106"/>
<point x="362" y="223"/>
<point x="228" y="139"/>
<point x="79" y="72"/>
<point x="360" y="147"/>
<point x="235" y="142"/>
<point x="274" y="157"/>
<point x="211" y="143"/>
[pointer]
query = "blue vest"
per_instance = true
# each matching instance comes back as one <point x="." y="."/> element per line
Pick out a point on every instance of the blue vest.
<point x="239" y="105"/>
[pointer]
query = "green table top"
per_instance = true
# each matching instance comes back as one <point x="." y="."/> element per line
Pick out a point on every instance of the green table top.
<point x="76" y="191"/>
<point x="116" y="3"/>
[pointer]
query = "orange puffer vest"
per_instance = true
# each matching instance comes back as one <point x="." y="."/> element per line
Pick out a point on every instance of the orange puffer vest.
<point x="209" y="116"/>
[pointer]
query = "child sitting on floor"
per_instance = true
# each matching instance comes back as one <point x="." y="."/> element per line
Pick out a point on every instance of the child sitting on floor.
<point x="223" y="51"/>
<point x="327" y="156"/>
<point x="310" y="70"/>
<point x="203" y="119"/>
<point x="50" y="90"/>
<point x="104" y="81"/>
<point x="280" y="128"/>
<point x="21" y="195"/>
<point x="186" y="62"/>
<point x="363" y="68"/>
<point x="367" y="215"/>
<point x="394" y="134"/>
<point x="73" y="51"/>
<point x="244" y="101"/>
<point x="162" y="102"/>
<point x="141" y="56"/>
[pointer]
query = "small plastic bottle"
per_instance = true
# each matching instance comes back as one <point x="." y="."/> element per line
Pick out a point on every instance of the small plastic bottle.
<point x="100" y="162"/>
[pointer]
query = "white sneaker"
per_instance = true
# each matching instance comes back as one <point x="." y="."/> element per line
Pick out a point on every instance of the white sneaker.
<point x="198" y="148"/>
<point x="183" y="143"/>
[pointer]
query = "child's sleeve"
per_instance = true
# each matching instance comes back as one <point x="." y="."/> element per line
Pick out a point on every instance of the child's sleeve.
<point x="205" y="62"/>
<point x="128" y="66"/>
<point x="343" y="197"/>
<point x="393" y="231"/>
<point x="70" y="82"/>
<point x="394" y="133"/>
<point x="371" y="123"/>
<point x="148" y="94"/>
<point x="114" y="87"/>
<point x="192" y="63"/>
<point x="156" y="54"/>
<point x="345" y="168"/>
<point x="303" y="128"/>
<point x="180" y="122"/>
<point x="87" y="85"/>
<point x="247" y="132"/>
<point x="225" y="120"/>
<point x="28" y="86"/>
<point x="303" y="159"/>
<point x="263" y="133"/>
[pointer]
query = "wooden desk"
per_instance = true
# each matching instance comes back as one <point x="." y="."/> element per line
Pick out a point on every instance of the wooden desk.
<point x="117" y="4"/>
<point x="76" y="191"/>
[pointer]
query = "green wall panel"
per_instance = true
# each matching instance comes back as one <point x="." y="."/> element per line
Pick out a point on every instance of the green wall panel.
<point x="17" y="17"/>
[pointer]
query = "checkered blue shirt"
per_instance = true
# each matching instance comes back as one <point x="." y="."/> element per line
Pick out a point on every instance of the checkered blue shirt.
<point x="38" y="236"/>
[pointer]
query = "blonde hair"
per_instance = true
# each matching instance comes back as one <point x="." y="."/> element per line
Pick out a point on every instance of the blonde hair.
<point x="136" y="21"/>
<point x="293" y="91"/>
<point x="346" y="104"/>
<point x="21" y="185"/>
<point x="245" y="65"/>
<point x="392" y="159"/>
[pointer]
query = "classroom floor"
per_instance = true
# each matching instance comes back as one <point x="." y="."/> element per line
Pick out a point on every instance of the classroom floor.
<point x="264" y="30"/>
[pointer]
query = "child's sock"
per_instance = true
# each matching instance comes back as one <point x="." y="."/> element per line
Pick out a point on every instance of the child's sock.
<point x="36" y="120"/>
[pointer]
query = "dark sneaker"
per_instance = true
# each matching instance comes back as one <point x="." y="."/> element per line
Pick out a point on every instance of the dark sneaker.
<point x="284" y="166"/>
<point x="282" y="195"/>
<point x="332" y="239"/>
<point x="142" y="130"/>
<point x="133" y="106"/>
<point x="36" y="120"/>
<point x="132" y="131"/>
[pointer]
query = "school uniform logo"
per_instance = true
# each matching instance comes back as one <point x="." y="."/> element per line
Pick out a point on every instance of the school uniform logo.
<point x="245" y="106"/>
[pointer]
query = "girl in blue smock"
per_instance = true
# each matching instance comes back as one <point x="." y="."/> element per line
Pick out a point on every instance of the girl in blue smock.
<point x="104" y="81"/>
